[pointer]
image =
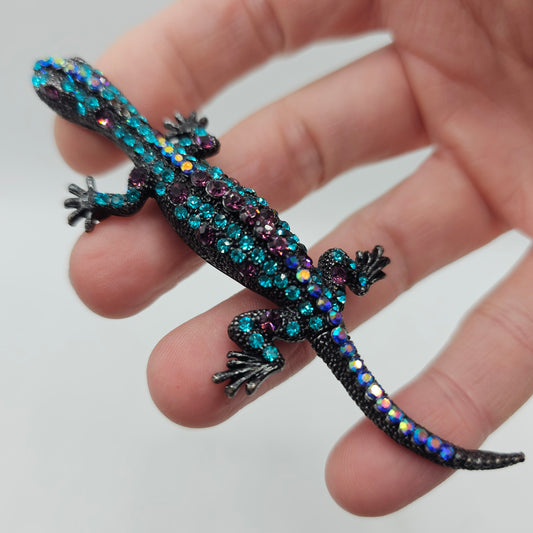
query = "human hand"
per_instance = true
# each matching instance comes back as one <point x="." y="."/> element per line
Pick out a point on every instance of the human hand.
<point x="458" y="76"/>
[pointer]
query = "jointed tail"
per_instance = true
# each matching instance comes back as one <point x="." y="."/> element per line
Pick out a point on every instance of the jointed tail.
<point x="379" y="408"/>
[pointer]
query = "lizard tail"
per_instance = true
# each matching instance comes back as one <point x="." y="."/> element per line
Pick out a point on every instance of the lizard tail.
<point x="364" y="389"/>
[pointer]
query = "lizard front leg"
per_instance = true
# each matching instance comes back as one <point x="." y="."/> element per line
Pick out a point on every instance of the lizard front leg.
<point x="254" y="332"/>
<point x="95" y="206"/>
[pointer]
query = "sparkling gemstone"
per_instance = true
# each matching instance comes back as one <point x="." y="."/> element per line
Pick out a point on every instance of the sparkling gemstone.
<point x="133" y="196"/>
<point x="137" y="177"/>
<point x="420" y="436"/>
<point x="160" y="188"/>
<point x="234" y="231"/>
<point x="105" y="119"/>
<point x="270" y="353"/>
<point x="292" y="292"/>
<point x="315" y="322"/>
<point x="314" y="290"/>
<point x="292" y="328"/>
<point x="339" y="335"/>
<point x="223" y="245"/>
<point x="257" y="256"/>
<point x="206" y="235"/>
<point x="338" y="275"/>
<point x="246" y="243"/>
<point x="51" y="92"/>
<point x="264" y="280"/>
<point x="270" y="267"/>
<point x="446" y="452"/>
<point x="177" y="193"/>
<point x="216" y="188"/>
<point x="363" y="281"/>
<point x="256" y="340"/>
<point x="193" y="202"/>
<point x="277" y="245"/>
<point x="102" y="198"/>
<point x="292" y="262"/>
<point x="348" y="349"/>
<point x="374" y="391"/>
<point x="335" y="317"/>
<point x="303" y="275"/>
<point x="281" y="281"/>
<point x="355" y="365"/>
<point x="247" y="269"/>
<point x="270" y="321"/>
<point x="220" y="221"/>
<point x="337" y="255"/>
<point x="180" y="212"/>
<point x="205" y="141"/>
<point x="233" y="200"/>
<point x="306" y="308"/>
<point x="406" y="426"/>
<point x="200" y="178"/>
<point x="237" y="255"/>
<point x="195" y="221"/>
<point x="206" y="211"/>
<point x="323" y="303"/>
<point x="245" y="324"/>
<point x="433" y="444"/>
<point x="249" y="214"/>
<point x="394" y="414"/>
<point x="365" y="378"/>
<point x="383" y="404"/>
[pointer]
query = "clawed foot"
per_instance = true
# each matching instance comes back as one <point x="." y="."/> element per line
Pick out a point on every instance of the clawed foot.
<point x="248" y="370"/>
<point x="184" y="125"/>
<point x="369" y="269"/>
<point x="82" y="203"/>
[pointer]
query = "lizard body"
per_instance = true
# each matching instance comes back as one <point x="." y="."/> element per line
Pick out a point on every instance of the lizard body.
<point x="236" y="231"/>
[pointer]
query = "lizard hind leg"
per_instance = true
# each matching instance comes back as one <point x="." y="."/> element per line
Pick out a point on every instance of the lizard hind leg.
<point x="254" y="332"/>
<point x="359" y="274"/>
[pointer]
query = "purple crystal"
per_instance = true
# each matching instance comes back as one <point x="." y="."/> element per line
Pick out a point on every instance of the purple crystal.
<point x="338" y="275"/>
<point x="105" y="119"/>
<point x="216" y="188"/>
<point x="277" y="245"/>
<point x="137" y="177"/>
<point x="178" y="193"/>
<point x="206" y="235"/>
<point x="249" y="214"/>
<point x="205" y="141"/>
<point x="307" y="263"/>
<point x="266" y="221"/>
<point x="247" y="269"/>
<point x="270" y="321"/>
<point x="233" y="200"/>
<point x="51" y="92"/>
<point x="199" y="178"/>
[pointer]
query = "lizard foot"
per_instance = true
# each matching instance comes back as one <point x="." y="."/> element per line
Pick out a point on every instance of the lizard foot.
<point x="369" y="269"/>
<point x="249" y="370"/>
<point x="82" y="203"/>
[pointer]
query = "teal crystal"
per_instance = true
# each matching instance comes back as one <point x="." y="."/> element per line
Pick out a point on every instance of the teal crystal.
<point x="270" y="353"/>
<point x="256" y="340"/>
<point x="292" y="328"/>
<point x="245" y="324"/>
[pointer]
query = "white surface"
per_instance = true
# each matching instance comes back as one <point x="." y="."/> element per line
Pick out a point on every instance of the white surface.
<point x="84" y="449"/>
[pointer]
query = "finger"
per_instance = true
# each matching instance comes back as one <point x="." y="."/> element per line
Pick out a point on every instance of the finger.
<point x="312" y="137"/>
<point x="189" y="51"/>
<point x="442" y="217"/>
<point x="479" y="380"/>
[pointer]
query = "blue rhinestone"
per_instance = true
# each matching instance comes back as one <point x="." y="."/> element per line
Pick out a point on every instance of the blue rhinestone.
<point x="315" y="322"/>
<point x="223" y="245"/>
<point x="92" y="102"/>
<point x="237" y="255"/>
<point x="292" y="246"/>
<point x="365" y="378"/>
<point x="117" y="200"/>
<point x="328" y="293"/>
<point x="339" y="335"/>
<point x="292" y="292"/>
<point x="446" y="452"/>
<point x="158" y="167"/>
<point x="234" y="231"/>
<point x="129" y="140"/>
<point x="245" y="324"/>
<point x="306" y="308"/>
<point x="167" y="175"/>
<point x="133" y="196"/>
<point x="292" y="328"/>
<point x="281" y="281"/>
<point x="200" y="131"/>
<point x="206" y="211"/>
<point x="284" y="225"/>
<point x="335" y="318"/>
<point x="160" y="188"/>
<point x="148" y="157"/>
<point x="134" y="121"/>
<point x="270" y="267"/>
<point x="81" y="109"/>
<point x="264" y="280"/>
<point x="195" y="221"/>
<point x="216" y="171"/>
<point x="363" y="281"/>
<point x="108" y="94"/>
<point x="433" y="444"/>
<point x="193" y="202"/>
<point x="68" y="85"/>
<point x="257" y="255"/>
<point x="102" y="198"/>
<point x="246" y="243"/>
<point x="348" y="349"/>
<point x="138" y="148"/>
<point x="292" y="261"/>
<point x="185" y="141"/>
<point x="420" y="436"/>
<point x="220" y="221"/>
<point x="323" y="304"/>
<point x="270" y="353"/>
<point x="144" y="129"/>
<point x="80" y="96"/>
<point x="341" y="296"/>
<point x="262" y="201"/>
<point x="255" y="340"/>
<point x="337" y="255"/>
<point x="314" y="290"/>
<point x="180" y="212"/>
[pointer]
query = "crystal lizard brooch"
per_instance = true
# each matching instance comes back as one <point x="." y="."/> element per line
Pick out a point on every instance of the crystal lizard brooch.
<point x="237" y="232"/>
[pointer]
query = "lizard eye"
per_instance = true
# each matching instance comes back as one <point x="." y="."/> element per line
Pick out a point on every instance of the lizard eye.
<point x="50" y="92"/>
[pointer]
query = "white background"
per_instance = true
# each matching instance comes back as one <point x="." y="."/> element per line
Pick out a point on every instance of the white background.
<point x="82" y="447"/>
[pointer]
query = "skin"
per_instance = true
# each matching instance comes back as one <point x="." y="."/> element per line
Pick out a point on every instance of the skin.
<point x="458" y="77"/>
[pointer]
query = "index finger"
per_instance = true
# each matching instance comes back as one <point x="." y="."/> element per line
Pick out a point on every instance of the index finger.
<point x="182" y="56"/>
